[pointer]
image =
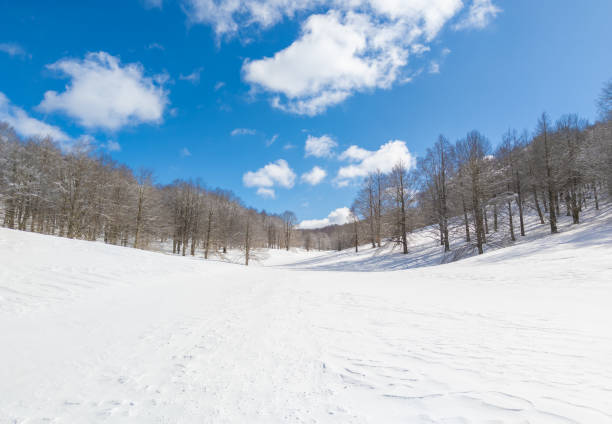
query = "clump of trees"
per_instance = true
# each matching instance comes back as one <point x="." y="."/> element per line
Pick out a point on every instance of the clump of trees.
<point x="83" y="194"/>
<point x="471" y="192"/>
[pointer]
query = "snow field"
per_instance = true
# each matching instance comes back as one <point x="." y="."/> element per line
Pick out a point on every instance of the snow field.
<point x="99" y="333"/>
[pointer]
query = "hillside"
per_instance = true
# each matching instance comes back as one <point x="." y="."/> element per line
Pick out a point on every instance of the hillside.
<point x="99" y="333"/>
<point x="425" y="249"/>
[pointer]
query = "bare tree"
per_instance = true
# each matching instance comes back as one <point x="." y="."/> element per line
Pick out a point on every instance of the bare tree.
<point x="472" y="153"/>
<point x="289" y="221"/>
<point x="402" y="191"/>
<point x="543" y="137"/>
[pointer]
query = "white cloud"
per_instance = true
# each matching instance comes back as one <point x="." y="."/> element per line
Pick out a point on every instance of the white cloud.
<point x="112" y="146"/>
<point x="12" y="49"/>
<point x="434" y="67"/>
<point x="354" y="153"/>
<point x="359" y="46"/>
<point x="155" y="46"/>
<point x="319" y="146"/>
<point x="344" y="46"/>
<point x="103" y="93"/>
<point x="273" y="174"/>
<point x="184" y="152"/>
<point x="266" y="192"/>
<point x="419" y="49"/>
<point x="289" y="146"/>
<point x="228" y="16"/>
<point x="271" y="140"/>
<point x="27" y="126"/>
<point x="219" y="85"/>
<point x="339" y="216"/>
<point x="480" y="14"/>
<point x="314" y="176"/>
<point x="193" y="77"/>
<point x="243" y="131"/>
<point x="383" y="159"/>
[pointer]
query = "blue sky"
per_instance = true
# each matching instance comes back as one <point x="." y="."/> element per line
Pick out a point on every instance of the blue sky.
<point x="315" y="93"/>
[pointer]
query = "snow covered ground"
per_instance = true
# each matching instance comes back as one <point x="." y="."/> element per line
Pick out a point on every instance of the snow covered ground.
<point x="97" y="333"/>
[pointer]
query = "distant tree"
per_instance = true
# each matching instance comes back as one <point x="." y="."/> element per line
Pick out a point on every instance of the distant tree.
<point x="604" y="102"/>
<point x="355" y="221"/>
<point x="289" y="221"/>
<point x="472" y="153"/>
<point x="436" y="169"/>
<point x="365" y="205"/>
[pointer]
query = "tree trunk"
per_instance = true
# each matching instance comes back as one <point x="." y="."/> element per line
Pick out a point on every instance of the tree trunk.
<point x="551" y="214"/>
<point x="477" y="211"/>
<point x="138" y="219"/>
<point x="537" y="204"/>
<point x="510" y="221"/>
<point x="194" y="243"/>
<point x="466" y="221"/>
<point x="519" y="202"/>
<point x="208" y="230"/>
<point x="495" y="217"/>
<point x="247" y="244"/>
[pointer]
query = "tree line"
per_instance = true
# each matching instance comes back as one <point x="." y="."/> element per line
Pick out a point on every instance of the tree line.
<point x="465" y="190"/>
<point x="80" y="193"/>
<point x="468" y="190"/>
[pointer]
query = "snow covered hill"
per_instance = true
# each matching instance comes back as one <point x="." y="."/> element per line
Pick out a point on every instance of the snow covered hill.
<point x="97" y="333"/>
<point x="425" y="249"/>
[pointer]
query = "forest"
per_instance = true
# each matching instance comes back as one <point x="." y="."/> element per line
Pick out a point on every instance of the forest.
<point x="464" y="190"/>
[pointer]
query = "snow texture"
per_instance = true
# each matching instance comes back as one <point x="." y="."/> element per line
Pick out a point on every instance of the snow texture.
<point x="98" y="333"/>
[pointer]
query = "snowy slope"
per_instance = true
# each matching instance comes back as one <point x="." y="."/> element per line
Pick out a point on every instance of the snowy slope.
<point x="99" y="333"/>
<point x="425" y="249"/>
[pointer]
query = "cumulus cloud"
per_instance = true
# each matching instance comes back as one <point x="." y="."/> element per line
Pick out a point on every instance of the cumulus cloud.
<point x="368" y="161"/>
<point x="354" y="47"/>
<point x="354" y="153"/>
<point x="273" y="174"/>
<point x="25" y="125"/>
<point x="344" y="47"/>
<point x="314" y="176"/>
<point x="103" y="93"/>
<point x="480" y="14"/>
<point x="339" y="216"/>
<point x="243" y="131"/>
<point x="12" y="49"/>
<point x="319" y="146"/>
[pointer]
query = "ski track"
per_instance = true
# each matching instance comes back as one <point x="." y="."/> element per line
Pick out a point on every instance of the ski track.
<point x="98" y="333"/>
